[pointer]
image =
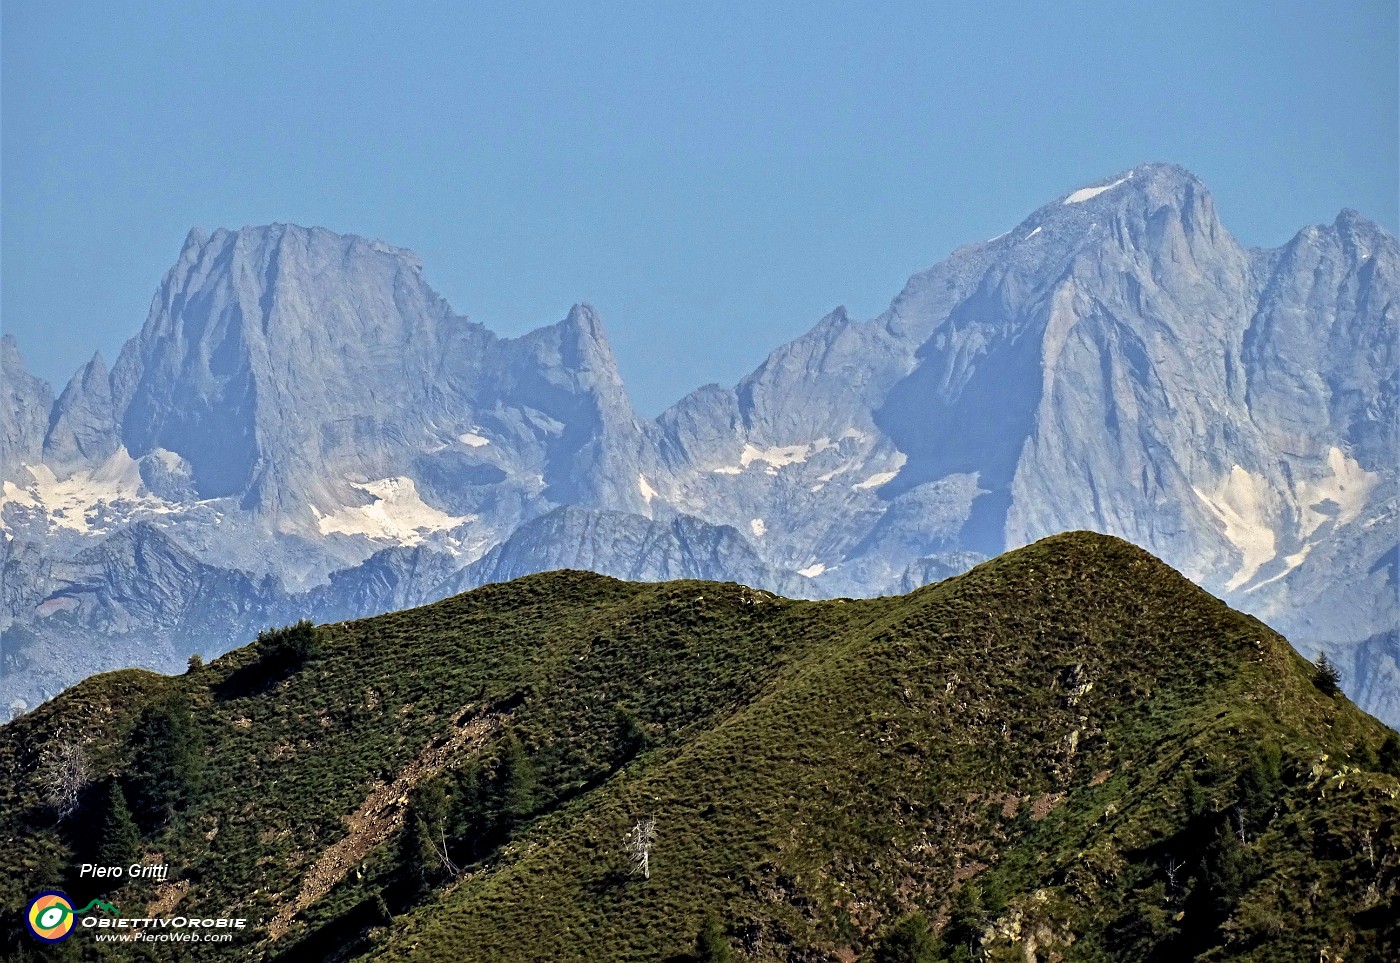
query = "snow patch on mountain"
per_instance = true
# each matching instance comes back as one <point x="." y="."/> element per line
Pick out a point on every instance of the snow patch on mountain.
<point x="1240" y="502"/>
<point x="645" y="488"/>
<point x="397" y="514"/>
<point x="875" y="480"/>
<point x="72" y="502"/>
<point x="812" y="571"/>
<point x="472" y="439"/>
<point x="882" y="477"/>
<point x="1346" y="490"/>
<point x="758" y="526"/>
<point x="1089" y="193"/>
<point x="780" y="456"/>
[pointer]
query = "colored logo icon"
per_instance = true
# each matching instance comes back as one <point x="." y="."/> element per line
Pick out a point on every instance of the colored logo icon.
<point x="50" y="917"/>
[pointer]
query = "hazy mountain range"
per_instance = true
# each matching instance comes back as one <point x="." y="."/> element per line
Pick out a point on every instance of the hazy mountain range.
<point x="304" y="428"/>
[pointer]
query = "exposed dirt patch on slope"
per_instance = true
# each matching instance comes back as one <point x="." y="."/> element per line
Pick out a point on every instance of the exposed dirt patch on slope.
<point x="382" y="811"/>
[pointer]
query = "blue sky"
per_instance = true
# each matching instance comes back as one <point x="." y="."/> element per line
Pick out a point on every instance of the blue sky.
<point x="713" y="177"/>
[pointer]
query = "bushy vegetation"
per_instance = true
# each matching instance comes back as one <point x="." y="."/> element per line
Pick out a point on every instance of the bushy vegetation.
<point x="287" y="649"/>
<point x="711" y="946"/>
<point x="1070" y="745"/>
<point x="909" y="941"/>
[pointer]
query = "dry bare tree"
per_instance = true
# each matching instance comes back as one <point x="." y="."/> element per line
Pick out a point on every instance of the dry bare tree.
<point x="448" y="865"/>
<point x="637" y="845"/>
<point x="1173" y="868"/>
<point x="1239" y="826"/>
<point x="65" y="769"/>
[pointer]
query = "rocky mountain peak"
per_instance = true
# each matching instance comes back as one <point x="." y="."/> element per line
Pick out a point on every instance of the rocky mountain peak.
<point x="82" y="430"/>
<point x="1152" y="208"/>
<point x="583" y="318"/>
<point x="24" y="417"/>
<point x="584" y="345"/>
<point x="258" y="337"/>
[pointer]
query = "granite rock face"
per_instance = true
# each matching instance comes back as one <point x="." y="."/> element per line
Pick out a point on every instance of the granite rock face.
<point x="82" y="431"/>
<point x="25" y="402"/>
<point x="303" y="417"/>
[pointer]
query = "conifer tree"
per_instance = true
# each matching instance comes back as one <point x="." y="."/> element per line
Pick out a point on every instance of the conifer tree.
<point x="1389" y="756"/>
<point x="288" y="649"/>
<point x="1327" y="678"/>
<point x="423" y="845"/>
<point x="120" y="842"/>
<point x="518" y="782"/>
<point x="710" y="944"/>
<point x="474" y="816"/>
<point x="1260" y="783"/>
<point x="167" y="759"/>
<point x="968" y="914"/>
<point x="909" y="942"/>
<point x="632" y="735"/>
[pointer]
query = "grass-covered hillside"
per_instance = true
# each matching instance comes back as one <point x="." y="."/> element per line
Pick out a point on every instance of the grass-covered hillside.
<point x="1068" y="753"/>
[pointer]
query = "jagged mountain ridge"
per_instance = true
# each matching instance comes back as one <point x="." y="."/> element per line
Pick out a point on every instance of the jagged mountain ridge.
<point x="299" y="400"/>
<point x="1067" y="752"/>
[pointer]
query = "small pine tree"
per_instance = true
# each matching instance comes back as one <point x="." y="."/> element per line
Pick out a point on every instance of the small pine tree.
<point x="710" y="944"/>
<point x="518" y="783"/>
<point x="1327" y="678"/>
<point x="632" y="736"/>
<point x="1261" y="782"/>
<point x="1226" y="863"/>
<point x="1196" y="802"/>
<point x="168" y="760"/>
<point x="909" y="942"/>
<point x="120" y="842"/>
<point x="195" y="664"/>
<point x="422" y="844"/>
<point x="967" y="916"/>
<point x="1388" y="759"/>
<point x="474" y="815"/>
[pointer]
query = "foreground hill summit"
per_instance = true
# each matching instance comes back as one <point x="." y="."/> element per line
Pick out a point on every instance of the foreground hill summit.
<point x="1069" y="752"/>
<point x="304" y="427"/>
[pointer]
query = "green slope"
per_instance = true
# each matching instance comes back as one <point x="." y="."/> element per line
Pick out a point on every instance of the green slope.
<point x="1068" y="753"/>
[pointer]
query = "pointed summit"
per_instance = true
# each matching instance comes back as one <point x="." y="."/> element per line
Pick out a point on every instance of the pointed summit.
<point x="24" y="411"/>
<point x="1141" y="193"/>
<point x="583" y="343"/>
<point x="584" y="317"/>
<point x="579" y="346"/>
<point x="259" y="335"/>
<point x="83" y="430"/>
<point x="1161" y="181"/>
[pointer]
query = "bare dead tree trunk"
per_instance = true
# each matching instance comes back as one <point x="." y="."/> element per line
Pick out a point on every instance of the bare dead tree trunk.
<point x="637" y="845"/>
<point x="1173" y="868"/>
<point x="65" y="769"/>
<point x="442" y="855"/>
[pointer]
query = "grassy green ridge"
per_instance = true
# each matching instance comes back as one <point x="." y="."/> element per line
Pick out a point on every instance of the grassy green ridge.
<point x="1069" y="748"/>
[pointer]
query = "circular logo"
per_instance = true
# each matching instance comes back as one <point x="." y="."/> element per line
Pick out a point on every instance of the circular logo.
<point x="50" y="917"/>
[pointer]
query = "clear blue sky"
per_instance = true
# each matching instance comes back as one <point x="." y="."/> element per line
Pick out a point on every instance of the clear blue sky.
<point x="712" y="176"/>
